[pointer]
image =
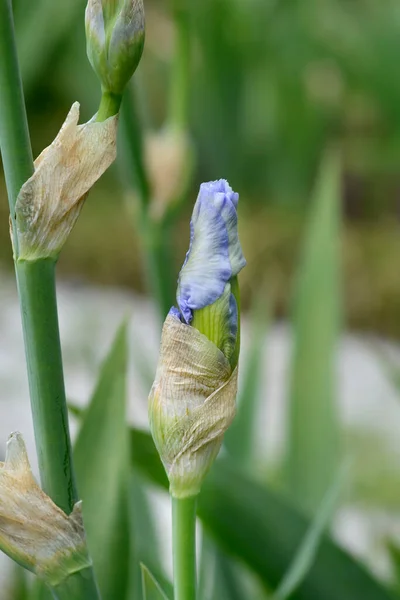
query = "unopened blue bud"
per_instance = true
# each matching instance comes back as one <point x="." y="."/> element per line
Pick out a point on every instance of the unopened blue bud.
<point x="192" y="401"/>
<point x="115" y="31"/>
<point x="208" y="293"/>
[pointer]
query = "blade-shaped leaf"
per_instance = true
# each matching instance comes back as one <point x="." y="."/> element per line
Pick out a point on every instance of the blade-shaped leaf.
<point x="264" y="531"/>
<point x="19" y="589"/>
<point x="145" y="457"/>
<point x="151" y="588"/>
<point x="102" y="466"/>
<point x="313" y="430"/>
<point x="144" y="542"/>
<point x="394" y="554"/>
<point x="219" y="577"/>
<point x="305" y="556"/>
<point x="39" y="591"/>
<point x="258" y="527"/>
<point x="228" y="585"/>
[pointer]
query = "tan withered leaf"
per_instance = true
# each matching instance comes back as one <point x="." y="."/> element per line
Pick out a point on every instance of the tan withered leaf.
<point x="191" y="405"/>
<point x="49" y="203"/>
<point x="33" y="530"/>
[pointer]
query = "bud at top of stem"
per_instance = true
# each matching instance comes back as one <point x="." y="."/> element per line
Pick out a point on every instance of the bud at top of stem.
<point x="208" y="293"/>
<point x="115" y="31"/>
<point x="192" y="401"/>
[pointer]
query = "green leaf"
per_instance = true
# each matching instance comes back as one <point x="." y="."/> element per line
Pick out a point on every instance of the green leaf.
<point x="144" y="542"/>
<point x="239" y="439"/>
<point x="151" y="588"/>
<point x="313" y="430"/>
<point x="394" y="554"/>
<point x="19" y="589"/>
<point x="144" y="455"/>
<point x="143" y="537"/>
<point x="305" y="556"/>
<point x="41" y="34"/>
<point x="102" y="465"/>
<point x="219" y="577"/>
<point x="263" y="530"/>
<point x="39" y="591"/>
<point x="228" y="585"/>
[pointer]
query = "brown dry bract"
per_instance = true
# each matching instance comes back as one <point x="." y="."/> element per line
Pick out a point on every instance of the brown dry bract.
<point x="191" y="405"/>
<point x="33" y="530"/>
<point x="49" y="203"/>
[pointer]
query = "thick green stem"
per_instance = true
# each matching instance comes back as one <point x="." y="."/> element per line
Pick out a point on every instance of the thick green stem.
<point x="156" y="240"/>
<point x="109" y="106"/>
<point x="184" y="548"/>
<point x="36" y="287"/>
<point x="180" y="71"/>
<point x="15" y="145"/>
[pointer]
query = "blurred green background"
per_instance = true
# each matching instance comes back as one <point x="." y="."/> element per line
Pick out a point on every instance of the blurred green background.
<point x="297" y="104"/>
<point x="274" y="82"/>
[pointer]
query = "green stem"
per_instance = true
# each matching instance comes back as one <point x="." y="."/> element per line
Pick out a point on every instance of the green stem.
<point x="109" y="106"/>
<point x="184" y="547"/>
<point x="180" y="73"/>
<point x="36" y="287"/>
<point x="133" y="148"/>
<point x="155" y="235"/>
<point x="157" y="241"/>
<point x="15" y="144"/>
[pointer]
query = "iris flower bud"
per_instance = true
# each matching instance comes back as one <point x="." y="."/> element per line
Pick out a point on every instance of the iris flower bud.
<point x="115" y="38"/>
<point x="192" y="401"/>
<point x="33" y="530"/>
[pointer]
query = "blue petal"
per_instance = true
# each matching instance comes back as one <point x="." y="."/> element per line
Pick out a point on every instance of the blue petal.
<point x="215" y="254"/>
<point x="174" y="312"/>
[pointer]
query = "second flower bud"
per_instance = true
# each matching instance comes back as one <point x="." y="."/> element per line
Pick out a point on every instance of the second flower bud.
<point x="115" y="31"/>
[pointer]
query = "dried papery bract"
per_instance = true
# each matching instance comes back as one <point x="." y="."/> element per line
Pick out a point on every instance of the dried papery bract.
<point x="33" y="530"/>
<point x="49" y="203"/>
<point x="191" y="405"/>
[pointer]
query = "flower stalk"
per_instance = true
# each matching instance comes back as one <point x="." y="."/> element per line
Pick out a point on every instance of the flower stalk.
<point x="167" y="151"/>
<point x="15" y="144"/>
<point x="193" y="398"/>
<point x="154" y="233"/>
<point x="36" y="288"/>
<point x="109" y="106"/>
<point x="184" y="547"/>
<point x="37" y="293"/>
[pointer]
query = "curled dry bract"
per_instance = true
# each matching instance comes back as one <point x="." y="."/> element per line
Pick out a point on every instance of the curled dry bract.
<point x="33" y="530"/>
<point x="191" y="405"/>
<point x="49" y="203"/>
